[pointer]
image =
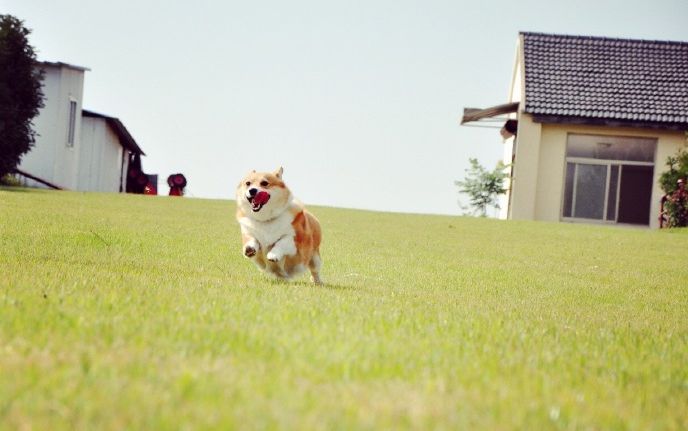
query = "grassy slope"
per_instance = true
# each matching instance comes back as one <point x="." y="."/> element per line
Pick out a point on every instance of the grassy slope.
<point x="128" y="311"/>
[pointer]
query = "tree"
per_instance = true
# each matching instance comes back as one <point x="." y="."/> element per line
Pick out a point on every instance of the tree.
<point x="21" y="94"/>
<point x="483" y="187"/>
<point x="675" y="201"/>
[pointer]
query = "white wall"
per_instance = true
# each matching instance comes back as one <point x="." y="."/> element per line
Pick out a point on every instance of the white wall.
<point x="516" y="94"/>
<point x="525" y="169"/>
<point x="50" y="158"/>
<point x="40" y="160"/>
<point x="100" y="159"/>
<point x="507" y="151"/>
<point x="67" y="158"/>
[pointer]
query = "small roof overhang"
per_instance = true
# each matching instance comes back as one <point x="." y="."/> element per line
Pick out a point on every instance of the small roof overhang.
<point x="61" y="64"/>
<point x="127" y="141"/>
<point x="476" y="114"/>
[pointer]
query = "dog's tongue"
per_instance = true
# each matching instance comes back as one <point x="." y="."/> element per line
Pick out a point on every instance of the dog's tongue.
<point x="261" y="198"/>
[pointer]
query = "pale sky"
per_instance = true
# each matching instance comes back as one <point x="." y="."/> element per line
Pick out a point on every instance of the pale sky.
<point x="358" y="100"/>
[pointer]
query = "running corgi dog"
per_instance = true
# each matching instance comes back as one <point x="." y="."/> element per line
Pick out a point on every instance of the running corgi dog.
<point x="278" y="234"/>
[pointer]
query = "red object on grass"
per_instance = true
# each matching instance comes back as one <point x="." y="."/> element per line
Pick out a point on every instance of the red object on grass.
<point x="177" y="182"/>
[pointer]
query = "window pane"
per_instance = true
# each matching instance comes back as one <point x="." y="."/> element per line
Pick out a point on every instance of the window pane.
<point x="591" y="183"/>
<point x="72" y="123"/>
<point x="635" y="194"/>
<point x="568" y="189"/>
<point x="613" y="187"/>
<point x="611" y="148"/>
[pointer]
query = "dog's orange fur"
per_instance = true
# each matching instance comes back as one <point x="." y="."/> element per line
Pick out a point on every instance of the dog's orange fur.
<point x="307" y="236"/>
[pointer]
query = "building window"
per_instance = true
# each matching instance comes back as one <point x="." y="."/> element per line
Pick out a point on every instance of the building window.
<point x="609" y="178"/>
<point x="72" y="123"/>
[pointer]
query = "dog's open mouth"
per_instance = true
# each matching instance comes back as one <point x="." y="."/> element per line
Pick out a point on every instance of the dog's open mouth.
<point x="257" y="201"/>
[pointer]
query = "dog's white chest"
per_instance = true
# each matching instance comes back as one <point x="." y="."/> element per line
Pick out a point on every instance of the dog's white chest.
<point x="268" y="232"/>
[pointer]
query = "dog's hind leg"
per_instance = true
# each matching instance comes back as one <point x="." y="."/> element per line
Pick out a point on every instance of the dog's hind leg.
<point x="314" y="265"/>
<point x="277" y="269"/>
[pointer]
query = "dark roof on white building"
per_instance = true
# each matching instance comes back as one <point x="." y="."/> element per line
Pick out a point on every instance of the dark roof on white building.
<point x="606" y="79"/>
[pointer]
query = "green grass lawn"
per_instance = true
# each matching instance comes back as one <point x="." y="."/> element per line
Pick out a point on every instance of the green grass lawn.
<point x="136" y="312"/>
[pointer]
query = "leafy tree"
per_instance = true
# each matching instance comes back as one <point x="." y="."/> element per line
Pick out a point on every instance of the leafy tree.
<point x="675" y="206"/>
<point x="21" y="94"/>
<point x="483" y="187"/>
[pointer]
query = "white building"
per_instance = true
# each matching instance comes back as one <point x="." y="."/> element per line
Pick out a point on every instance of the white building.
<point x="591" y="122"/>
<point x="76" y="149"/>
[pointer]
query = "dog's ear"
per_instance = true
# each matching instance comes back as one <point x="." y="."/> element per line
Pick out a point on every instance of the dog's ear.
<point x="278" y="172"/>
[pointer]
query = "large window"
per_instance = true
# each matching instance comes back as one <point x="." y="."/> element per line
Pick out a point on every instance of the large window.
<point x="72" y="123"/>
<point x="608" y="178"/>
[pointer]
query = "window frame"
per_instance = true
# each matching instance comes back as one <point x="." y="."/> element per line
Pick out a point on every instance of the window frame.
<point x="71" y="122"/>
<point x="605" y="162"/>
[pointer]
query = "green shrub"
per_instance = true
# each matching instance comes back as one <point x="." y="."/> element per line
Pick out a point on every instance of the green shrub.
<point x="675" y="209"/>
<point x="9" y="180"/>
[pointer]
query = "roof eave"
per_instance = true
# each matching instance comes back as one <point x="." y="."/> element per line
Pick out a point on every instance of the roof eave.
<point x="61" y="64"/>
<point x="609" y="122"/>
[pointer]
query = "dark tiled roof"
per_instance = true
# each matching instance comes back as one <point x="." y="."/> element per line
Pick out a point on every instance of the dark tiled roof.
<point x="603" y="78"/>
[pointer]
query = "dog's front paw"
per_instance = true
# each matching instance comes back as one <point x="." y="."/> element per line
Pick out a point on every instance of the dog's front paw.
<point x="273" y="257"/>
<point x="249" y="251"/>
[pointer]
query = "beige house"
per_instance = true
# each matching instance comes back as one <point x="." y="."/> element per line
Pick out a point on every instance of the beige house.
<point x="589" y="125"/>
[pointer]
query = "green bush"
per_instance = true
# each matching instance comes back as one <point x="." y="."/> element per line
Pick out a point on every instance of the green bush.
<point x="9" y="180"/>
<point x="675" y="209"/>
